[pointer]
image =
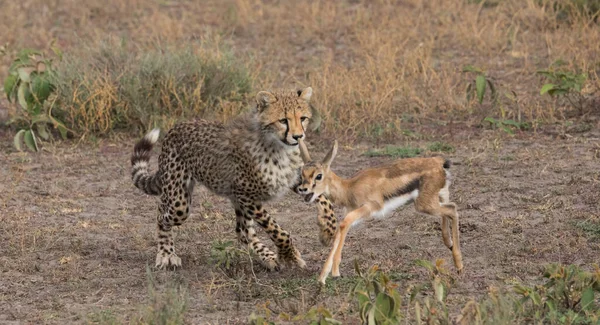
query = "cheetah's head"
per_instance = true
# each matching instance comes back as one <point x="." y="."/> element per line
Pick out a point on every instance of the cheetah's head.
<point x="284" y="114"/>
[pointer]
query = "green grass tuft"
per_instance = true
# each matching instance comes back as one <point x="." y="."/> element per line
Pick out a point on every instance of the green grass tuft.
<point x="441" y="147"/>
<point x="114" y="86"/>
<point x="590" y="228"/>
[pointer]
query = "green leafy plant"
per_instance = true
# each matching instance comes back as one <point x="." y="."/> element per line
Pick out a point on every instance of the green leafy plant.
<point x="507" y="126"/>
<point x="318" y="316"/>
<point x="433" y="311"/>
<point x="564" y="84"/>
<point x="378" y="300"/>
<point x="28" y="83"/>
<point x="478" y="86"/>
<point x="166" y="305"/>
<point x="225" y="255"/>
<point x="567" y="296"/>
<point x="590" y="227"/>
<point x="441" y="147"/>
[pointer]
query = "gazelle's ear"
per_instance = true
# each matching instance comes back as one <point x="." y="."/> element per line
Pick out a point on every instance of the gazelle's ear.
<point x="331" y="155"/>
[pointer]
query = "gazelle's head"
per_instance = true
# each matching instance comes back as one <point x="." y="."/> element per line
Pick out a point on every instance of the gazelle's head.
<point x="315" y="176"/>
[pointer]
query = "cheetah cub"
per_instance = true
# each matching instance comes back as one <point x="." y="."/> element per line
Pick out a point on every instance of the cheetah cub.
<point x="251" y="160"/>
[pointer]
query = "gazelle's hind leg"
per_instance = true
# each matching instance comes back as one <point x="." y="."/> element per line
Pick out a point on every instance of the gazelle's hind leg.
<point x="445" y="198"/>
<point x="449" y="210"/>
<point x="430" y="204"/>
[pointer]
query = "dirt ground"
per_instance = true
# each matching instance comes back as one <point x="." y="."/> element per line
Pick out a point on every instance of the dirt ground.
<point x="78" y="238"/>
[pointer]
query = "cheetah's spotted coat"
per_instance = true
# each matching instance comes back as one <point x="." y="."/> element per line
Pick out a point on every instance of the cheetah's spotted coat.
<point x="251" y="160"/>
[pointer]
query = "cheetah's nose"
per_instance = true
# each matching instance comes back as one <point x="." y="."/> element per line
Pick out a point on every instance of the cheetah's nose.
<point x="298" y="137"/>
<point x="301" y="190"/>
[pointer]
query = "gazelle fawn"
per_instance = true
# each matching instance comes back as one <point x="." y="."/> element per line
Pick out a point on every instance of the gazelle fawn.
<point x="376" y="192"/>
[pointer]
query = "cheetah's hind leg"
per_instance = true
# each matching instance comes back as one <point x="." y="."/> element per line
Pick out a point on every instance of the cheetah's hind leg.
<point x="174" y="209"/>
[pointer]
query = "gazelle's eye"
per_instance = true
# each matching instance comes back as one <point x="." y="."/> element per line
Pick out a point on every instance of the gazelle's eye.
<point x="283" y="121"/>
<point x="318" y="178"/>
<point x="303" y="118"/>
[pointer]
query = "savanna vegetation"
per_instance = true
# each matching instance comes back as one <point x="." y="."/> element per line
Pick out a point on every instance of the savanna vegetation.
<point x="510" y="90"/>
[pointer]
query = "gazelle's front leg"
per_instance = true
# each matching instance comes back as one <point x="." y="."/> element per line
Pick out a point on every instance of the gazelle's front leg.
<point x="335" y="255"/>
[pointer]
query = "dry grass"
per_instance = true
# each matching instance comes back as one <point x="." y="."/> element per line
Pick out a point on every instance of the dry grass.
<point x="376" y="65"/>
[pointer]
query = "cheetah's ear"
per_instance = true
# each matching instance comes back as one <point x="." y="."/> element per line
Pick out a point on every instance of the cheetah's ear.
<point x="264" y="99"/>
<point x="305" y="93"/>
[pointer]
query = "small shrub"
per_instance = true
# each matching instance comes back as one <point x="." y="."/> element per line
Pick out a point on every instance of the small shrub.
<point x="225" y="255"/>
<point x="166" y="307"/>
<point x="116" y="87"/>
<point x="478" y="86"/>
<point x="441" y="147"/>
<point x="29" y="83"/>
<point x="564" y="84"/>
<point x="396" y="152"/>
<point x="507" y="126"/>
<point x="318" y="316"/>
<point x="570" y="11"/>
<point x="591" y="228"/>
<point x="433" y="311"/>
<point x="378" y="300"/>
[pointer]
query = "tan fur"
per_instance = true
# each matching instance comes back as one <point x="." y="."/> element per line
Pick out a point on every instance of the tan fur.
<point x="251" y="160"/>
<point x="422" y="180"/>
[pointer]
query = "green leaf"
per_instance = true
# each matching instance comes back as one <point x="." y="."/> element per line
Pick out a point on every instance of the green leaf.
<point x="507" y="129"/>
<point x="371" y="317"/>
<point x="490" y="120"/>
<point x="470" y="68"/>
<point x="41" y="88"/>
<point x="492" y="89"/>
<point x="426" y="264"/>
<point x="480" y="85"/>
<point x="385" y="307"/>
<point x="24" y="54"/>
<point x="557" y="92"/>
<point x="21" y="95"/>
<point x="551" y="305"/>
<point x="41" y="118"/>
<point x="357" y="268"/>
<point x="25" y="73"/>
<point x="9" y="86"/>
<point x="587" y="298"/>
<point x="546" y="88"/>
<point x="438" y="289"/>
<point x="42" y="131"/>
<point x="30" y="140"/>
<point x="62" y="130"/>
<point x="468" y="92"/>
<point x="17" y="140"/>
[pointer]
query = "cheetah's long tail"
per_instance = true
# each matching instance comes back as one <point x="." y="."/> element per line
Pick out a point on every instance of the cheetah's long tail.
<point x="140" y="173"/>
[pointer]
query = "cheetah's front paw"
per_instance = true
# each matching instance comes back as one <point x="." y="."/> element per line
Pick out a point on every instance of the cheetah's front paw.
<point x="271" y="264"/>
<point x="326" y="237"/>
<point x="165" y="259"/>
<point x="292" y="256"/>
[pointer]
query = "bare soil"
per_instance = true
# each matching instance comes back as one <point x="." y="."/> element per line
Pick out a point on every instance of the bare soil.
<point x="78" y="238"/>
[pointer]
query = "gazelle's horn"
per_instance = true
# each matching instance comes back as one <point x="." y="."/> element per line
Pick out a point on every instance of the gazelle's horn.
<point x="304" y="151"/>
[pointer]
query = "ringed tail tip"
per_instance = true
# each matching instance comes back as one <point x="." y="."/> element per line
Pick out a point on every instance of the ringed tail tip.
<point x="152" y="136"/>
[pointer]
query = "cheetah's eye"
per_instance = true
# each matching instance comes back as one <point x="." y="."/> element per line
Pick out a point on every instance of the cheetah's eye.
<point x="283" y="121"/>
<point x="303" y="118"/>
<point x="318" y="178"/>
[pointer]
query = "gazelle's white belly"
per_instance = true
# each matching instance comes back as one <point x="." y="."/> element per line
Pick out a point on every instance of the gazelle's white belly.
<point x="390" y="205"/>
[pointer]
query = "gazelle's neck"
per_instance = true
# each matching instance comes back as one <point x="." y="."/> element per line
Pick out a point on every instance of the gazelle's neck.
<point x="338" y="190"/>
